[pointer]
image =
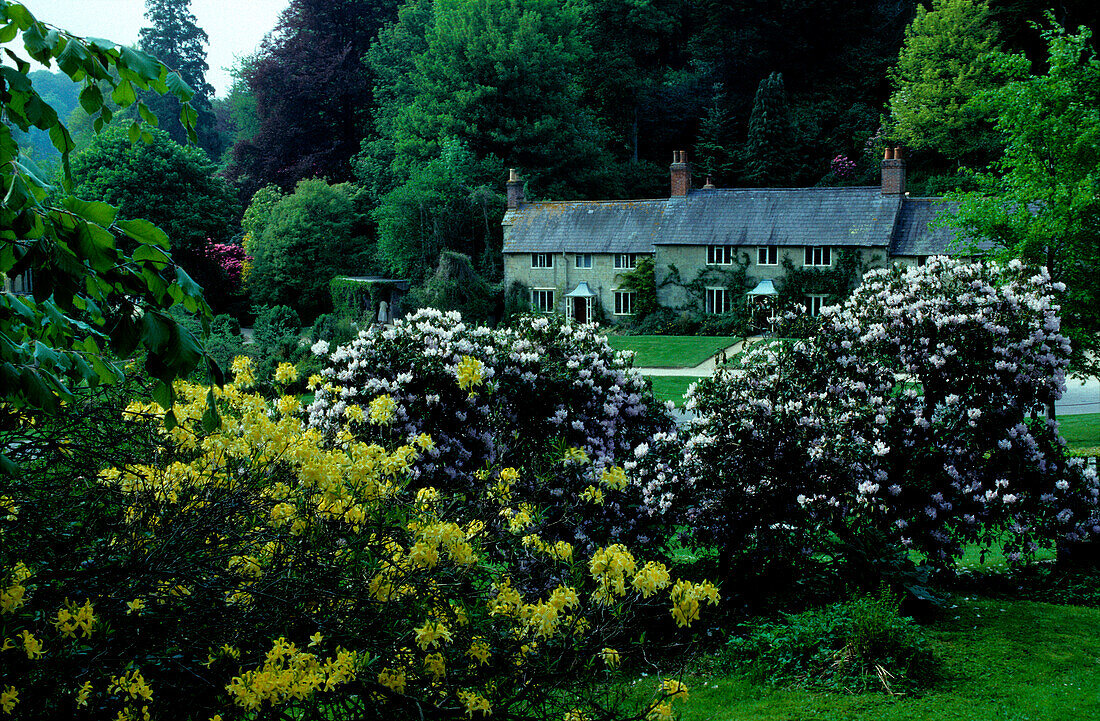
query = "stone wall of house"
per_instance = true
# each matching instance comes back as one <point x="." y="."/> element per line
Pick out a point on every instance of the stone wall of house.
<point x="602" y="278"/>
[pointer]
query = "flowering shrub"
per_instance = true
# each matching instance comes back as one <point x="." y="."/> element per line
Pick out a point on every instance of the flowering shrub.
<point x="918" y="409"/>
<point x="229" y="257"/>
<point x="518" y="397"/>
<point x="842" y="166"/>
<point x="266" y="569"/>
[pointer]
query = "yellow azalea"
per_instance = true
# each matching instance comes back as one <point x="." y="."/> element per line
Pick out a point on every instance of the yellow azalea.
<point x="610" y="657"/>
<point x="509" y="475"/>
<point x="652" y="577"/>
<point x="8" y="699"/>
<point x="354" y="413"/>
<point x="393" y="680"/>
<point x="479" y="650"/>
<point x="135" y="606"/>
<point x="83" y="694"/>
<point x="132" y="684"/>
<point x="433" y="664"/>
<point x="431" y="633"/>
<point x="575" y="455"/>
<point x="470" y="372"/>
<point x="660" y="712"/>
<point x="613" y="478"/>
<point x="425" y="442"/>
<point x="314" y="382"/>
<point x="674" y="689"/>
<point x="686" y="598"/>
<point x="382" y="410"/>
<point x="576" y="715"/>
<point x="593" y="495"/>
<point x="286" y="373"/>
<point x="315" y="639"/>
<point x="31" y="645"/>
<point x="474" y="703"/>
<point x="243" y="372"/>
<point x="71" y="619"/>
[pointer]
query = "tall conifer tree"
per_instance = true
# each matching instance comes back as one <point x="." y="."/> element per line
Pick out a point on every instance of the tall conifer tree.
<point x="175" y="38"/>
<point x="770" y="152"/>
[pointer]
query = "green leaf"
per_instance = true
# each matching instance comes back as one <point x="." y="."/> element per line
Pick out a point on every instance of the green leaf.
<point x="8" y="466"/>
<point x="91" y="99"/>
<point x="59" y="136"/>
<point x="124" y="94"/>
<point x="211" y="420"/>
<point x="144" y="232"/>
<point x="8" y="32"/>
<point x="151" y="253"/>
<point x="156" y="331"/>
<point x="135" y="132"/>
<point x="176" y="86"/>
<point x="145" y="65"/>
<point x="185" y="282"/>
<point x="148" y="115"/>
<point x="162" y="394"/>
<point x="102" y="214"/>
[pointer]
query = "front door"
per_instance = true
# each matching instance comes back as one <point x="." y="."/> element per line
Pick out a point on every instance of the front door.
<point x="580" y="310"/>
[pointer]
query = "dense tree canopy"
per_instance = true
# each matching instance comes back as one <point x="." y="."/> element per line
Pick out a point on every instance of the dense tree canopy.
<point x="310" y="236"/>
<point x="1042" y="200"/>
<point x="311" y="91"/>
<point x="175" y="38"/>
<point x="943" y="65"/>
<point x="172" y="185"/>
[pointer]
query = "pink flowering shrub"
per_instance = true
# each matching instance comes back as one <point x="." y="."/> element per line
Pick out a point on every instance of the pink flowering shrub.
<point x="842" y="166"/>
<point x="229" y="257"/>
<point x="545" y="388"/>
<point x="918" y="410"/>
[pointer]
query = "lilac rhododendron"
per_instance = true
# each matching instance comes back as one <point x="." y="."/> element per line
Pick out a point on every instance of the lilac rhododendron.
<point x="919" y="408"/>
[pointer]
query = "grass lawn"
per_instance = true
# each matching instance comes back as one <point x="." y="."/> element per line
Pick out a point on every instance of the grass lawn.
<point x="1082" y="432"/>
<point x="670" y="351"/>
<point x="671" y="388"/>
<point x="1012" y="660"/>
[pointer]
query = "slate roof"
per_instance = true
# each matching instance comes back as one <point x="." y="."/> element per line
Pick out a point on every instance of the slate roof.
<point x="838" y="217"/>
<point x="613" y="226"/>
<point x="916" y="234"/>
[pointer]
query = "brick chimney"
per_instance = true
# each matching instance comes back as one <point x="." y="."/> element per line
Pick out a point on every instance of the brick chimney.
<point x="893" y="172"/>
<point x="515" y="190"/>
<point x="681" y="174"/>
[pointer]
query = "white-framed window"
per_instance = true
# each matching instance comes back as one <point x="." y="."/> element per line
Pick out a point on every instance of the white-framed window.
<point x="624" y="302"/>
<point x="543" y="299"/>
<point x="814" y="304"/>
<point x="720" y="255"/>
<point x="819" y="256"/>
<point x="542" y="260"/>
<point x="584" y="260"/>
<point x="767" y="255"/>
<point x="719" y="300"/>
<point x="626" y="261"/>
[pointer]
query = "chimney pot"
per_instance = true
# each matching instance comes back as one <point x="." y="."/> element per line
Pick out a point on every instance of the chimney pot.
<point x="681" y="174"/>
<point x="893" y="172"/>
<point x="515" y="189"/>
<point x="888" y="154"/>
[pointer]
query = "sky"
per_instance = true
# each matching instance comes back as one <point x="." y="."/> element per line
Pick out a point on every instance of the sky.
<point x="235" y="27"/>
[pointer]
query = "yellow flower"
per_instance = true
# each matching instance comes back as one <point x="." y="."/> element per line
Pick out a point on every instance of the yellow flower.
<point x="575" y="455"/>
<point x="31" y="645"/>
<point x="660" y="712"/>
<point x="286" y="373"/>
<point x="314" y="381"/>
<point x="431" y="633"/>
<point x="479" y="650"/>
<point x="433" y="664"/>
<point x="382" y="410"/>
<point x="83" y="694"/>
<point x="474" y="703"/>
<point x="470" y="372"/>
<point x="613" y="478"/>
<point x="393" y="680"/>
<point x="243" y="372"/>
<point x="315" y="639"/>
<point x="135" y="606"/>
<point x="8" y="699"/>
<point x="593" y="495"/>
<point x="354" y="413"/>
<point x="674" y="689"/>
<point x="610" y="657"/>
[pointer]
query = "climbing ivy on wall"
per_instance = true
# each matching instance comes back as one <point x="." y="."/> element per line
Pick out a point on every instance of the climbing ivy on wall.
<point x="835" y="281"/>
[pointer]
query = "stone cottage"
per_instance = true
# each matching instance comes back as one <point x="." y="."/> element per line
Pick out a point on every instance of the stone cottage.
<point x="572" y="255"/>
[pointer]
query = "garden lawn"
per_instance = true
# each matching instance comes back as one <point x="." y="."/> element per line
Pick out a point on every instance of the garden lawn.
<point x="1006" y="660"/>
<point x="670" y="351"/>
<point x="1082" y="432"/>
<point x="671" y="388"/>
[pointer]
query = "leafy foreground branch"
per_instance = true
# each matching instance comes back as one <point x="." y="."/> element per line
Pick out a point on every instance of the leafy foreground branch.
<point x="93" y="300"/>
<point x="259" y="571"/>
